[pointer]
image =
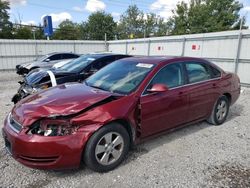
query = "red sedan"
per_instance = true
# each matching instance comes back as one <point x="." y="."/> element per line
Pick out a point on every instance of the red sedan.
<point x="97" y="121"/>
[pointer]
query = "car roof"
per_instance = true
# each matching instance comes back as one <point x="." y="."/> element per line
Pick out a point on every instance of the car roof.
<point x="54" y="53"/>
<point x="100" y="55"/>
<point x="160" y="59"/>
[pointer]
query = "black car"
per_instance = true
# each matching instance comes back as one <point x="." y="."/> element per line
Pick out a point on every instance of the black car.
<point x="46" y="61"/>
<point x="74" y="71"/>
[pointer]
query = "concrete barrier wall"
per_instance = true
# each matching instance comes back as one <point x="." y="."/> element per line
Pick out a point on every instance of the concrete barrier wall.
<point x="230" y="50"/>
<point x="13" y="52"/>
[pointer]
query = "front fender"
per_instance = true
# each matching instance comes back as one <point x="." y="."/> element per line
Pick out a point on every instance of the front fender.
<point x="123" y="110"/>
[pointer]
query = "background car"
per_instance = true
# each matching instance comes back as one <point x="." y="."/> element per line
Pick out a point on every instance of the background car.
<point x="74" y="71"/>
<point x="124" y="103"/>
<point x="61" y="63"/>
<point x="45" y="61"/>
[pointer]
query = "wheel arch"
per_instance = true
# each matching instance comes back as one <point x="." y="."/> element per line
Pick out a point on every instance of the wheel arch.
<point x="123" y="122"/>
<point x="128" y="127"/>
<point x="229" y="97"/>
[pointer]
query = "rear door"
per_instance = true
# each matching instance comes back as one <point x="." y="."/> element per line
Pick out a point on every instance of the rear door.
<point x="166" y="110"/>
<point x="202" y="89"/>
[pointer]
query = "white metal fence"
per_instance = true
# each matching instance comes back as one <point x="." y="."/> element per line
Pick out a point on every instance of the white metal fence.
<point x="230" y="50"/>
<point x="13" y="52"/>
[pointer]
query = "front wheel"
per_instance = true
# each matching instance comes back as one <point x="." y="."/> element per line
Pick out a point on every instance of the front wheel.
<point x="220" y="111"/>
<point x="107" y="148"/>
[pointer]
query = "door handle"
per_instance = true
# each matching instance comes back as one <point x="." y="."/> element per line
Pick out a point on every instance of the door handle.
<point x="214" y="85"/>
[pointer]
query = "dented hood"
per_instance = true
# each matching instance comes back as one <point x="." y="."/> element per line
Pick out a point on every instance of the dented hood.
<point x="61" y="100"/>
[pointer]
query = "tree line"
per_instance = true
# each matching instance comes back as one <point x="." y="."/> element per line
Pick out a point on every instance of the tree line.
<point x="197" y="16"/>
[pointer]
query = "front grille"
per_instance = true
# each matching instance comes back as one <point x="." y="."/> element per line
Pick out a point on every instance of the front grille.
<point x="38" y="159"/>
<point x="14" y="125"/>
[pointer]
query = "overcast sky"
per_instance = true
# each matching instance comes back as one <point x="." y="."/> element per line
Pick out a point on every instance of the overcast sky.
<point x="31" y="11"/>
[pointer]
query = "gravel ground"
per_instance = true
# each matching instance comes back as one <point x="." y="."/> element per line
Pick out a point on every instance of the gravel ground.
<point x="199" y="155"/>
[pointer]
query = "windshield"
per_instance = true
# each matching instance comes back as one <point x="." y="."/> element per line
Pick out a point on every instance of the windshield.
<point x="121" y="77"/>
<point x="78" y="64"/>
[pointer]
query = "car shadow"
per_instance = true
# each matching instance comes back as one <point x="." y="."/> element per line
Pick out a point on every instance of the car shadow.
<point x="158" y="141"/>
<point x="235" y="111"/>
<point x="143" y="148"/>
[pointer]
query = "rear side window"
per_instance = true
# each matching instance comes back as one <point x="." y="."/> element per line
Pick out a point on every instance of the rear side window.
<point x="197" y="72"/>
<point x="215" y="73"/>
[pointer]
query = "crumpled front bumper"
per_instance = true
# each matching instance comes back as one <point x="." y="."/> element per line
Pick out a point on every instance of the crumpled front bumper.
<point x="55" y="152"/>
<point x="21" y="70"/>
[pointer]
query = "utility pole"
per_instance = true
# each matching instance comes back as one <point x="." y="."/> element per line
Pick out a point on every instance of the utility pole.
<point x="105" y="40"/>
<point x="34" y="33"/>
<point x="236" y="62"/>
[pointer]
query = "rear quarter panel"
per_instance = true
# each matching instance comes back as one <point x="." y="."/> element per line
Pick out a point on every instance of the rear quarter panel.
<point x="230" y="83"/>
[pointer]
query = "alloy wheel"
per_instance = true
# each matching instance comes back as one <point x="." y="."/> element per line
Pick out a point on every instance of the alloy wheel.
<point x="109" y="148"/>
<point x="221" y="111"/>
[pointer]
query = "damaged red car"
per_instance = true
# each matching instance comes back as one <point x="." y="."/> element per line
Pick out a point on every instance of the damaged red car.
<point x="96" y="122"/>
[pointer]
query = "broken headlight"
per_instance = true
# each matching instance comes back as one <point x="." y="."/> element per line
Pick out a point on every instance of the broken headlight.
<point x="52" y="128"/>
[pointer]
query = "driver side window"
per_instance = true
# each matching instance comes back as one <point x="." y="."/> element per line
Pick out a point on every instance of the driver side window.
<point x="171" y="76"/>
<point x="55" y="57"/>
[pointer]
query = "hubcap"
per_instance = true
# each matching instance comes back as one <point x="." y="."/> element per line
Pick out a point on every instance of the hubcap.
<point x="221" y="110"/>
<point x="109" y="148"/>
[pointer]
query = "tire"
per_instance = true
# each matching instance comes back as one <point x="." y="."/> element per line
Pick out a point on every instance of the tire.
<point x="220" y="111"/>
<point x="101" y="153"/>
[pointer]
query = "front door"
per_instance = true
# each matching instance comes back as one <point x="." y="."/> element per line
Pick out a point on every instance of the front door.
<point x="166" y="110"/>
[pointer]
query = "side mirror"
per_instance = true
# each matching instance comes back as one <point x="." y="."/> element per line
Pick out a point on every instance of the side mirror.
<point x="157" y="88"/>
<point x="47" y="60"/>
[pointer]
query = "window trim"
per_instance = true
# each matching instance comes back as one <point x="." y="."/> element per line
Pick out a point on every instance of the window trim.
<point x="186" y="80"/>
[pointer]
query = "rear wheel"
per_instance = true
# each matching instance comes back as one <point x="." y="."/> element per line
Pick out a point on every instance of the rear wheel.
<point x="220" y="111"/>
<point x="107" y="148"/>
